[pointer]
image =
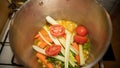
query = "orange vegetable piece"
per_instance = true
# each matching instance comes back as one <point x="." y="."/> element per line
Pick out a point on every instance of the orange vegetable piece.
<point x="50" y="65"/>
<point x="77" y="57"/>
<point x="42" y="45"/>
<point x="41" y="57"/>
<point x="46" y="36"/>
<point x="75" y="45"/>
<point x="36" y="36"/>
<point x="44" y="60"/>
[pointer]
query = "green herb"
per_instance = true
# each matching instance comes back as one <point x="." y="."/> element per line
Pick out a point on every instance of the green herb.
<point x="70" y="66"/>
<point x="55" y="62"/>
<point x="87" y="45"/>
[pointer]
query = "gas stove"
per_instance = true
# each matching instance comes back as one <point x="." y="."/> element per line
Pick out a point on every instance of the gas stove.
<point x="7" y="57"/>
<point x="8" y="60"/>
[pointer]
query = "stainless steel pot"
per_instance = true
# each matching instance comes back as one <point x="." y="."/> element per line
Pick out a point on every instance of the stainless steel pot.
<point x="31" y="17"/>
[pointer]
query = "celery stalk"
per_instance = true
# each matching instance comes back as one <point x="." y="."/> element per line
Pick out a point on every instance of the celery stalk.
<point x="58" y="43"/>
<point x="66" y="43"/>
<point x="73" y="50"/>
<point x="44" y="38"/>
<point x="62" y="41"/>
<point x="72" y="60"/>
<point x="40" y="50"/>
<point x="55" y="40"/>
<point x="72" y="39"/>
<point x="51" y="20"/>
<point x="67" y="48"/>
<point x="82" y="59"/>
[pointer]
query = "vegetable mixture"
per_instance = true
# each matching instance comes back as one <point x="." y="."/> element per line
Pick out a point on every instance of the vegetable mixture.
<point x="62" y="44"/>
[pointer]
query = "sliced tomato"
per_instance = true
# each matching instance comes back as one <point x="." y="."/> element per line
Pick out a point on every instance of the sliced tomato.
<point x="53" y="50"/>
<point x="80" y="39"/>
<point x="81" y="30"/>
<point x="57" y="30"/>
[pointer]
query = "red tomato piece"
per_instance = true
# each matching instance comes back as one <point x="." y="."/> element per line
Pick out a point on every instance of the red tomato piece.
<point x="80" y="39"/>
<point x="57" y="30"/>
<point x="81" y="30"/>
<point x="53" y="50"/>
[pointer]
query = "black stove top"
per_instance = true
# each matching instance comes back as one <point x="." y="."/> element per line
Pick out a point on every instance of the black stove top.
<point x="109" y="55"/>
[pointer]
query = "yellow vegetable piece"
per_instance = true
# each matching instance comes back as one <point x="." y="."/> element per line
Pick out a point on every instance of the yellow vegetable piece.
<point x="69" y="25"/>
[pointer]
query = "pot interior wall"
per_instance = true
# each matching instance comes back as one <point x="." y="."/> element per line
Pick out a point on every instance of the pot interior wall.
<point x="31" y="17"/>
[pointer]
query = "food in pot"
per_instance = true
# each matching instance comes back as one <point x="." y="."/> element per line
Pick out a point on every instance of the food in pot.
<point x="62" y="44"/>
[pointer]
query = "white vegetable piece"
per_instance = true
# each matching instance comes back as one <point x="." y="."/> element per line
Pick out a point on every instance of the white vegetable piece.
<point x="44" y="39"/>
<point x="40" y="50"/>
<point x="51" y="20"/>
<point x="73" y="50"/>
<point x="66" y="44"/>
<point x="62" y="41"/>
<point x="72" y="60"/>
<point x="82" y="59"/>
<point x="55" y="40"/>
<point x="67" y="48"/>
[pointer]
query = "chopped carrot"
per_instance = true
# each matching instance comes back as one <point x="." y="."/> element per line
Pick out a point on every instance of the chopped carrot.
<point x="49" y="39"/>
<point x="50" y="65"/>
<point x="77" y="57"/>
<point x="36" y="41"/>
<point x="39" y="43"/>
<point x="75" y="45"/>
<point x="45" y="35"/>
<point x="36" y="36"/>
<point x="39" y="38"/>
<point x="42" y="45"/>
<point x="44" y="60"/>
<point x="43" y="31"/>
<point x="41" y="57"/>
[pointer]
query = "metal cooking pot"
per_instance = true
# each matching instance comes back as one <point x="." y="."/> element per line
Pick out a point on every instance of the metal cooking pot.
<point x="31" y="17"/>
